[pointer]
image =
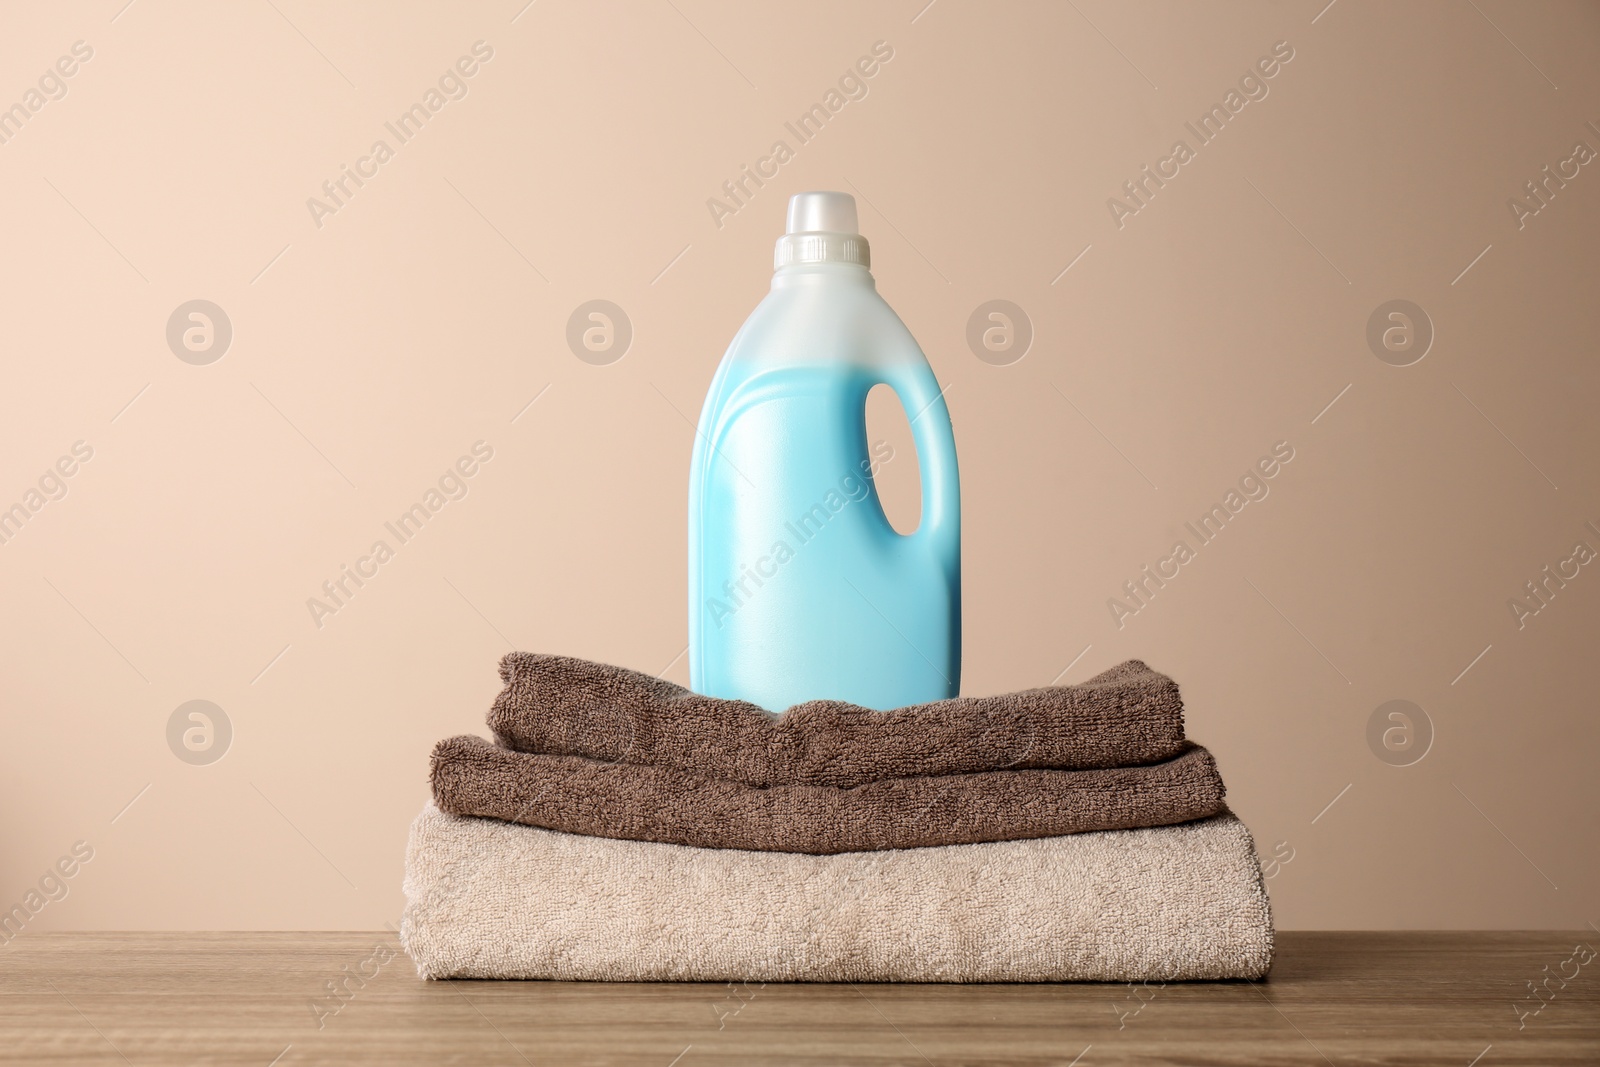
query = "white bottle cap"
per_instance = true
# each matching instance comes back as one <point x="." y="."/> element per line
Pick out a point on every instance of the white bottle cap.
<point x="822" y="211"/>
<point x="822" y="229"/>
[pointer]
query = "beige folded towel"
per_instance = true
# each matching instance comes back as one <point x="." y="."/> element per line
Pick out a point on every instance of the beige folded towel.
<point x="472" y="776"/>
<point x="491" y="899"/>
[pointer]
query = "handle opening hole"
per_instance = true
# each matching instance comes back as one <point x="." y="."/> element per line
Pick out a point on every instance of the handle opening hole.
<point x="893" y="453"/>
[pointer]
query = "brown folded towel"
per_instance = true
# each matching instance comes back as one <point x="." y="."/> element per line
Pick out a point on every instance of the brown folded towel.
<point x="639" y="802"/>
<point x="558" y="705"/>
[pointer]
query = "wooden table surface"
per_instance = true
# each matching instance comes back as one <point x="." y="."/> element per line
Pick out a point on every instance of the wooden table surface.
<point x="262" y="998"/>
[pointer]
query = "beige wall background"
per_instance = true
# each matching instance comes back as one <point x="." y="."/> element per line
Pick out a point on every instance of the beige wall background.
<point x="373" y="345"/>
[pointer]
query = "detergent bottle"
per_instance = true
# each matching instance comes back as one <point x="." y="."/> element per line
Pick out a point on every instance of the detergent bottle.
<point x="799" y="586"/>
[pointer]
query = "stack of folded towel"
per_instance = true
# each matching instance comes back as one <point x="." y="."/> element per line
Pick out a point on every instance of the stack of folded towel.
<point x="623" y="828"/>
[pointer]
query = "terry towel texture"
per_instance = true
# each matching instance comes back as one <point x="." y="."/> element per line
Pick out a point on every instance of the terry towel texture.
<point x="472" y="776"/>
<point x="559" y="705"/>
<point x="491" y="899"/>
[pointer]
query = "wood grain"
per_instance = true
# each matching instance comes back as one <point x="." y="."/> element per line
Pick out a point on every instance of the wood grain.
<point x="246" y="998"/>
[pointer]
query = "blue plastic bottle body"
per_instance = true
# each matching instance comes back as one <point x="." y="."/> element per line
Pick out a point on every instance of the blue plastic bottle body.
<point x="799" y="587"/>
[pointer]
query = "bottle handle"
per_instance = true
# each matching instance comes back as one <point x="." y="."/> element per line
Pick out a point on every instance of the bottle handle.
<point x="931" y="432"/>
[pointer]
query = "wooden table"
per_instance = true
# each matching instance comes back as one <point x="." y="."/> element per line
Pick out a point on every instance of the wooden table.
<point x="262" y="998"/>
